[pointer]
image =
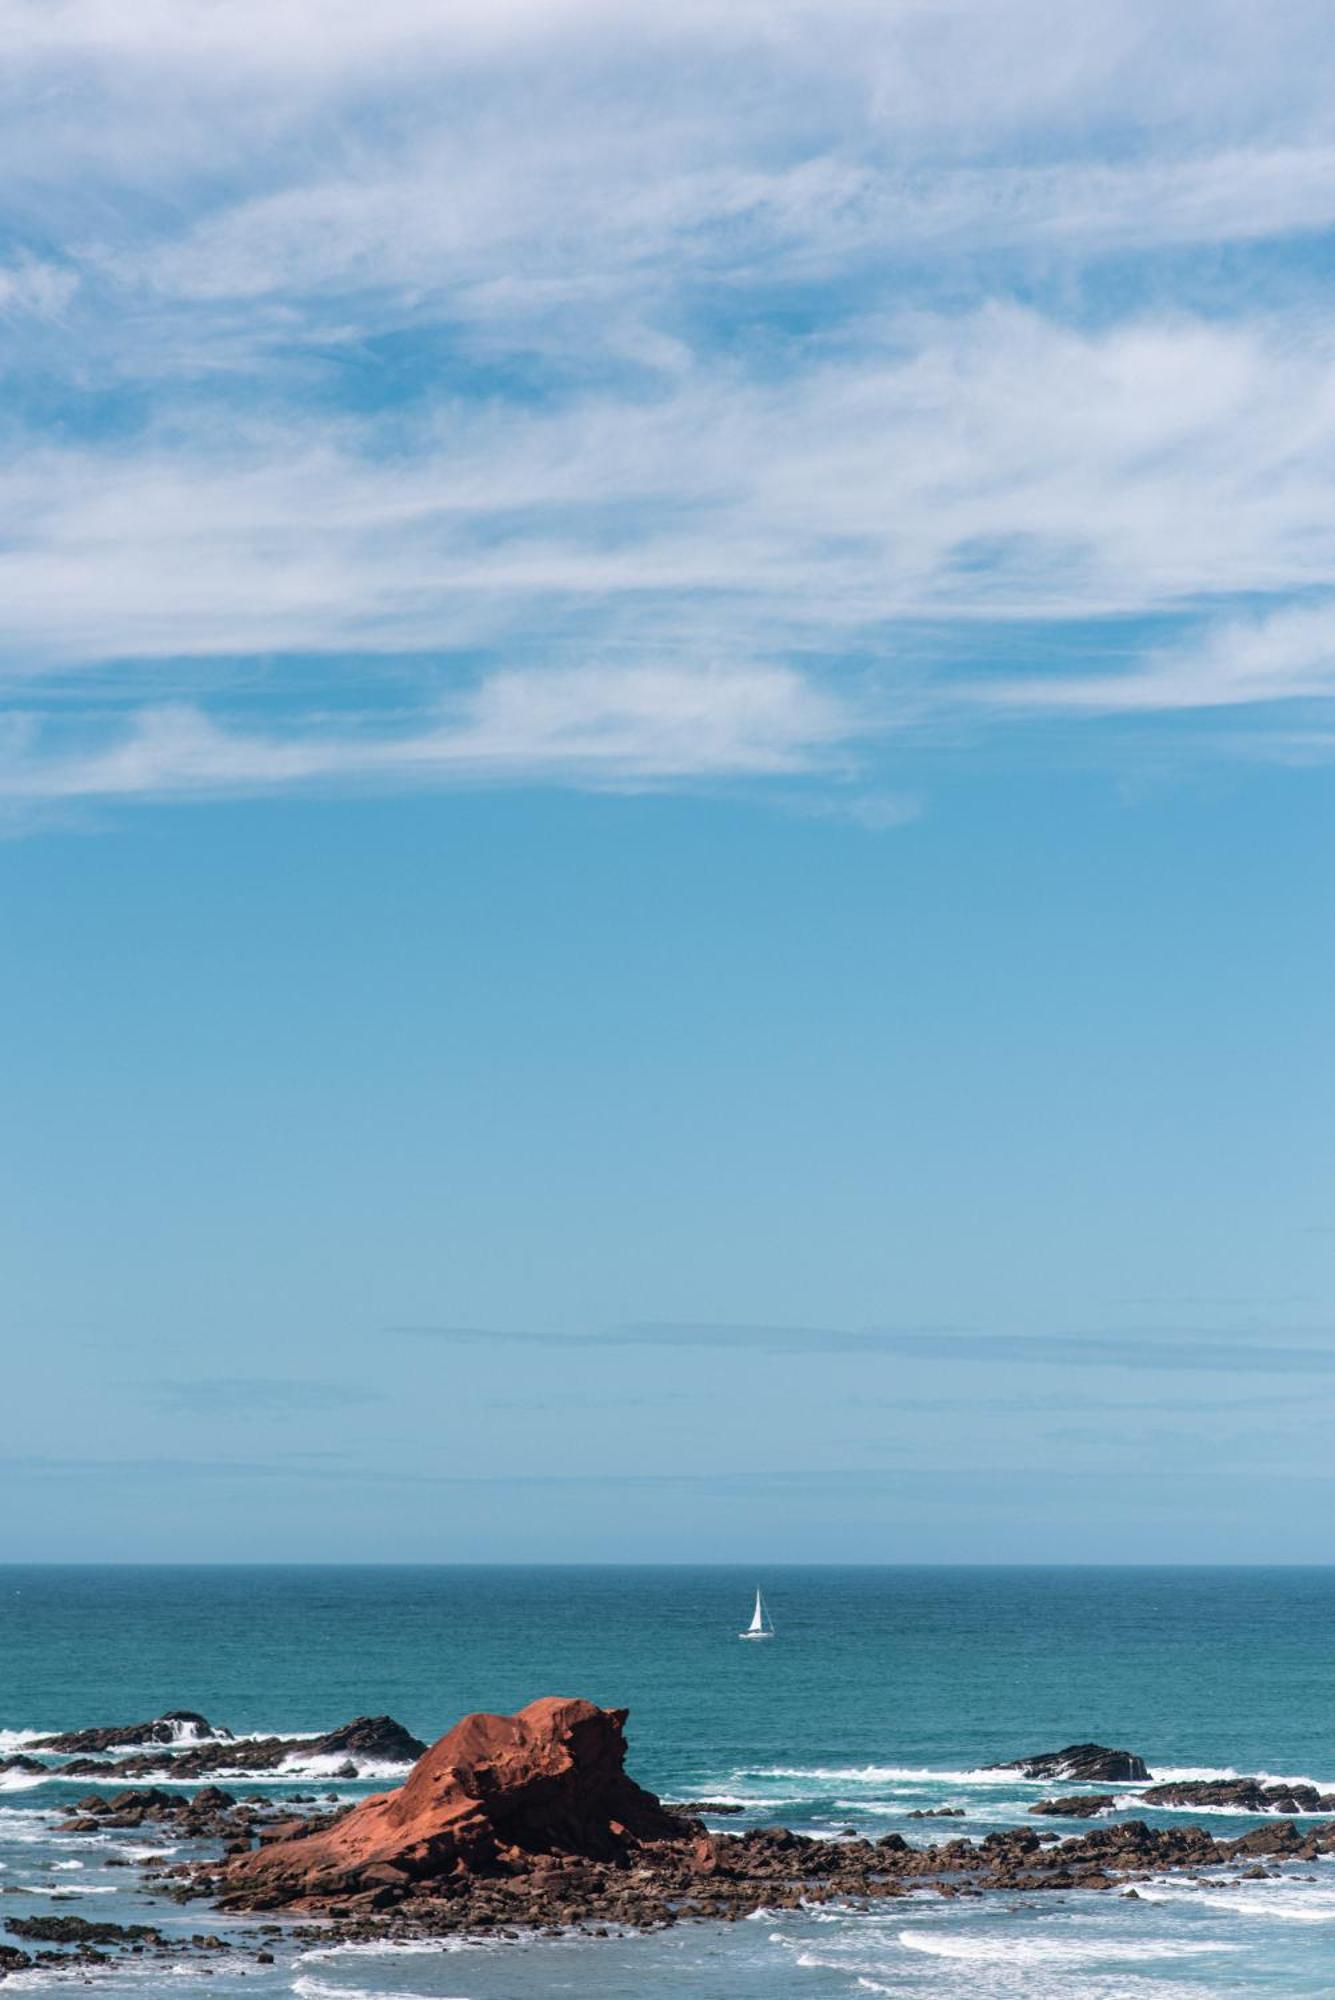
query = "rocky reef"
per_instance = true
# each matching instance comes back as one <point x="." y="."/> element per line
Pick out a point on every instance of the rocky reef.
<point x="531" y="1820"/>
<point x="1248" y="1795"/>
<point x="178" y="1725"/>
<point x="198" y="1749"/>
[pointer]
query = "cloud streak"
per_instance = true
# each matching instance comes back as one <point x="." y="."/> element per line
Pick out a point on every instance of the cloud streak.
<point x="560" y="392"/>
<point x="260" y="1396"/>
<point x="1169" y="1353"/>
<point x="597" y="727"/>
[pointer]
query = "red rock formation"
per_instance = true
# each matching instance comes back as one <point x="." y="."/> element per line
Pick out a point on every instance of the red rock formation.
<point x="488" y="1797"/>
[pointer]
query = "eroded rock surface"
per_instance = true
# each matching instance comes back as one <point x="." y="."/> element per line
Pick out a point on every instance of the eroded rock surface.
<point x="492" y="1796"/>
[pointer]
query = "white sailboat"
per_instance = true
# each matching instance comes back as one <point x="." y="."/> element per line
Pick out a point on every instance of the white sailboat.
<point x="762" y="1625"/>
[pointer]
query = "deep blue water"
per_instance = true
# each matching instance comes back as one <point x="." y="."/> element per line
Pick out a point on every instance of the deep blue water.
<point x="885" y="1690"/>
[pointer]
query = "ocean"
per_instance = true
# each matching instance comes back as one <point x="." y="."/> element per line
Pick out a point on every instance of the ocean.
<point x="886" y="1691"/>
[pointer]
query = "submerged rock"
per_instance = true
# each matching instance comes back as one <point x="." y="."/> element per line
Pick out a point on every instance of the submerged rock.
<point x="1090" y="1762"/>
<point x="695" y="1808"/>
<point x="1079" y="1805"/>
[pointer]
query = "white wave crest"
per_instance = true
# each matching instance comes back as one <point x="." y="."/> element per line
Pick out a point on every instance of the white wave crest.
<point x="1277" y="1900"/>
<point x="67" y="1888"/>
<point x="306" y="1987"/>
<point x="881" y="1774"/>
<point x="1005" y="1947"/>
<point x="20" y="1828"/>
<point x="333" y="1764"/>
<point x="335" y="1954"/>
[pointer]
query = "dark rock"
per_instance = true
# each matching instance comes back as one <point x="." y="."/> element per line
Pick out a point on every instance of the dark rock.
<point x="378" y="1737"/>
<point x="1080" y="1805"/>
<point x="179" y="1725"/>
<point x="694" y="1808"/>
<point x="1242" y="1794"/>
<point x="1090" y="1762"/>
<point x="80" y="1931"/>
<point x="373" y="1738"/>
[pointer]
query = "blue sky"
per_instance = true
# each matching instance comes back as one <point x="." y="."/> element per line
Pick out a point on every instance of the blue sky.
<point x="666" y="699"/>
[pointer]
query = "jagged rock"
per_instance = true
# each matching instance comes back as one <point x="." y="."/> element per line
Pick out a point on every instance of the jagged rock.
<point x="493" y="1793"/>
<point x="1092" y="1762"/>
<point x="1282" y="1837"/>
<point x="179" y="1725"/>
<point x="1080" y="1805"/>
<point x="378" y="1737"/>
<point x="1244" y="1794"/>
<point x="373" y="1738"/>
<point x="207" y="1814"/>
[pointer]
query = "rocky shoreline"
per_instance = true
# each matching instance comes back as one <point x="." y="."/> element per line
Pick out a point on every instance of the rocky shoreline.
<point x="512" y="1825"/>
<point x="517" y="1820"/>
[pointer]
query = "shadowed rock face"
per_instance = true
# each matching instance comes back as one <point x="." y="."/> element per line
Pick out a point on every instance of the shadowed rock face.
<point x="488" y="1797"/>
<point x="1093" y="1763"/>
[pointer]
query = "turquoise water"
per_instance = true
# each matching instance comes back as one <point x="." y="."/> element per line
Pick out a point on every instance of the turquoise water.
<point x="885" y="1691"/>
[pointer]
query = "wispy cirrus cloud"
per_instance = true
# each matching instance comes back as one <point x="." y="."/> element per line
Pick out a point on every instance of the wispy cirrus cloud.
<point x="1250" y="661"/>
<point x="718" y="391"/>
<point x="1170" y="1351"/>
<point x="635" y="727"/>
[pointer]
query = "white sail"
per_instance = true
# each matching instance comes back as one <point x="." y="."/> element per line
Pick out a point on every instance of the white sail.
<point x="761" y="1626"/>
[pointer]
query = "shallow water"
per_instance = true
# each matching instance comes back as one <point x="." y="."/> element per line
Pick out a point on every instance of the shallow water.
<point x="885" y="1692"/>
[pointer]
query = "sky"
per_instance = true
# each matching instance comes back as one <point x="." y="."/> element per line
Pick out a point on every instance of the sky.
<point x="667" y="703"/>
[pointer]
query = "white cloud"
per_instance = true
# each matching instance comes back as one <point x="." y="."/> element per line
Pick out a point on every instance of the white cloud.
<point x="1285" y="656"/>
<point x="710" y="349"/>
<point x="996" y="466"/>
<point x="30" y="286"/>
<point x="589" y="726"/>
